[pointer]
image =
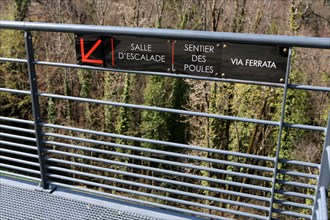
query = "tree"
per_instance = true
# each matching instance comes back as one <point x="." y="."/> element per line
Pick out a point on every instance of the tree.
<point x="14" y="75"/>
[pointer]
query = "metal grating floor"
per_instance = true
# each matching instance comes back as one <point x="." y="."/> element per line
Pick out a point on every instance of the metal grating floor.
<point x="18" y="203"/>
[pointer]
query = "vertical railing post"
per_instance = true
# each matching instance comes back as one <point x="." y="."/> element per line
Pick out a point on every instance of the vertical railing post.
<point x="279" y="137"/>
<point x="324" y="176"/>
<point x="36" y="109"/>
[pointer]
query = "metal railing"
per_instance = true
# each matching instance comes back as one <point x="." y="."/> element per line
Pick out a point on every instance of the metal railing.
<point x="41" y="152"/>
<point x="320" y="206"/>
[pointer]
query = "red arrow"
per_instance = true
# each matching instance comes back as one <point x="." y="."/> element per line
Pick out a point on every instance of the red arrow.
<point x="84" y="58"/>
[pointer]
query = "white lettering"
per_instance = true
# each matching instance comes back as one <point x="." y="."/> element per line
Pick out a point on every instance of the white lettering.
<point x="198" y="58"/>
<point x="198" y="68"/>
<point x="120" y="55"/>
<point x="236" y="61"/>
<point x="142" y="57"/>
<point x="199" y="48"/>
<point x="141" y="47"/>
<point x="256" y="63"/>
<point x="273" y="65"/>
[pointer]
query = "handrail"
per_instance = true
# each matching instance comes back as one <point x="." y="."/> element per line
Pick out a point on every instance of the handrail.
<point x="292" y="41"/>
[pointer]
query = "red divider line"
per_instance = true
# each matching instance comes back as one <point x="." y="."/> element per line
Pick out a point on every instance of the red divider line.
<point x="113" y="53"/>
<point x="82" y="49"/>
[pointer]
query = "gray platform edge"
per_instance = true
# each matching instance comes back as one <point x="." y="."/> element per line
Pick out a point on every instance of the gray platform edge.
<point x="109" y="207"/>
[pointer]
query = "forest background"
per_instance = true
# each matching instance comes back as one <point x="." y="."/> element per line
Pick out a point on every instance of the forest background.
<point x="279" y="17"/>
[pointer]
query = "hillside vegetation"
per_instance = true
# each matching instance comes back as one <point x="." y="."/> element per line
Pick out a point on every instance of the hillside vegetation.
<point x="288" y="17"/>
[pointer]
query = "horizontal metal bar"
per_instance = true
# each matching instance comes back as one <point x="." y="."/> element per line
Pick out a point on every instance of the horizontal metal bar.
<point x="139" y="201"/>
<point x="164" y="198"/>
<point x="290" y="41"/>
<point x="15" y="91"/>
<point x="307" y="87"/>
<point x="289" y="125"/>
<point x="297" y="184"/>
<point x="294" y="204"/>
<point x="290" y="213"/>
<point x="171" y="163"/>
<point x="12" y="60"/>
<point x="295" y="194"/>
<point x="19" y="168"/>
<point x="153" y="187"/>
<point x="183" y="112"/>
<point x="140" y="167"/>
<point x="18" y="153"/>
<point x="195" y="186"/>
<point x="17" y="129"/>
<point x="20" y="161"/>
<point x="294" y="173"/>
<point x="9" y="143"/>
<point x="2" y="118"/>
<point x="160" y="109"/>
<point x="176" y="111"/>
<point x="157" y="142"/>
<point x="299" y="163"/>
<point x="290" y="86"/>
<point x="19" y="137"/>
<point x="306" y="127"/>
<point x="135" y="148"/>
<point x="160" y="161"/>
<point x="68" y="65"/>
<point x="164" y="74"/>
<point x="21" y="176"/>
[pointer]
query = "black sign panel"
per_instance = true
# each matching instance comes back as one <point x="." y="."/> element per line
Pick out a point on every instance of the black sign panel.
<point x="197" y="58"/>
<point x="89" y="49"/>
<point x="253" y="62"/>
<point x="138" y="53"/>
<point x="200" y="58"/>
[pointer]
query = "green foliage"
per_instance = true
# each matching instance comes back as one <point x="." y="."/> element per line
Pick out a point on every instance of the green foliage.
<point x="273" y="28"/>
<point x="154" y="123"/>
<point x="251" y="101"/>
<point x="123" y="119"/>
<point x="159" y="125"/>
<point x="216" y="126"/>
<point x="107" y="95"/>
<point x="176" y="123"/>
<point x="51" y="111"/>
<point x="295" y="16"/>
<point x="21" y="9"/>
<point x="69" y="110"/>
<point x="14" y="75"/>
<point x="85" y="80"/>
<point x="296" y="112"/>
<point x="123" y="125"/>
<point x="239" y="19"/>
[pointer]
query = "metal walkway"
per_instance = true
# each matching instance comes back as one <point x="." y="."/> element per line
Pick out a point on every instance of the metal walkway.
<point x="21" y="199"/>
